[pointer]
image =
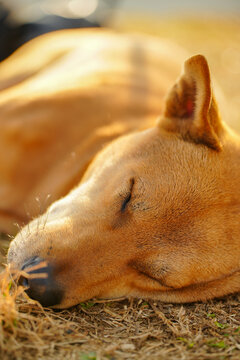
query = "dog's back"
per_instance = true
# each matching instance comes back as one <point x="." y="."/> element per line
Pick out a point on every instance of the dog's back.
<point x="63" y="96"/>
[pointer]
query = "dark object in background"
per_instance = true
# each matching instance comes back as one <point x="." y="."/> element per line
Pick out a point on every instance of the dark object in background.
<point x="13" y="37"/>
<point x="14" y="33"/>
<point x="5" y="34"/>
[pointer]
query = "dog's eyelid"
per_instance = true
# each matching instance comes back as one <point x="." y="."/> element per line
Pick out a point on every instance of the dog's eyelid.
<point x="129" y="195"/>
<point x="132" y="182"/>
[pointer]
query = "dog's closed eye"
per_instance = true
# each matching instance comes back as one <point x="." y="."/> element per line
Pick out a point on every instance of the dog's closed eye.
<point x="128" y="197"/>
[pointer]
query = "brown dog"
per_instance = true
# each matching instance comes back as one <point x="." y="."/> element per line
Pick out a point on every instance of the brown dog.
<point x="156" y="213"/>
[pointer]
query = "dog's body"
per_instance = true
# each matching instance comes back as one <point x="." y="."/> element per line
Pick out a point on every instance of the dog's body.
<point x="156" y="214"/>
<point x="63" y="97"/>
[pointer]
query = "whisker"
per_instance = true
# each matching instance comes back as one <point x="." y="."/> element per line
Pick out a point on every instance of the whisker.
<point x="19" y="230"/>
<point x="10" y="236"/>
<point x="39" y="208"/>
<point x="47" y="212"/>
<point x="29" y="219"/>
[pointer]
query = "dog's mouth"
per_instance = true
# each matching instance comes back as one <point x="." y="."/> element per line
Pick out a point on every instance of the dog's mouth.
<point x="203" y="290"/>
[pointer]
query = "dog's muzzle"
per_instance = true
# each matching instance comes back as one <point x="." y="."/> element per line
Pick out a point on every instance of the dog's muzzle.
<point x="39" y="282"/>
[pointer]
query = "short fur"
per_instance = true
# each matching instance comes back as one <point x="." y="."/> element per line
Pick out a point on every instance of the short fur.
<point x="154" y="210"/>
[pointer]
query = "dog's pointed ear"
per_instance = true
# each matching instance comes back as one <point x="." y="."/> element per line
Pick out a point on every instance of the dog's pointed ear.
<point x="191" y="109"/>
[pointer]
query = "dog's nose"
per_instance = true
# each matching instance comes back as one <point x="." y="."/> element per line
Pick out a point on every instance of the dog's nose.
<point x="40" y="284"/>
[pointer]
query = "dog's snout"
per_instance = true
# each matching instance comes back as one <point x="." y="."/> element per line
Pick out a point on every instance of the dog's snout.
<point x="40" y="283"/>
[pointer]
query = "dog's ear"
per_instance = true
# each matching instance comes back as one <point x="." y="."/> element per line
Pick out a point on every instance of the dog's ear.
<point x="190" y="108"/>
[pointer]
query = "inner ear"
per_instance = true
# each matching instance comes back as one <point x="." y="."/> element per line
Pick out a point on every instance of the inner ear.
<point x="180" y="102"/>
<point x="190" y="107"/>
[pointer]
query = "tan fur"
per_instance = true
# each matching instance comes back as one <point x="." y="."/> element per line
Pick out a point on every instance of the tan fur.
<point x="65" y="97"/>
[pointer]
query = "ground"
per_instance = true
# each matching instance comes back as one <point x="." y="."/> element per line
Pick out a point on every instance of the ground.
<point x="126" y="329"/>
<point x="137" y="328"/>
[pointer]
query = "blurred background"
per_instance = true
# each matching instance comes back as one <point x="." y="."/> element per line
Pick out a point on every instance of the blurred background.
<point x="210" y="27"/>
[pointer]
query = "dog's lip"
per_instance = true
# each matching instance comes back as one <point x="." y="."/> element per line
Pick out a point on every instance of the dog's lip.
<point x="160" y="282"/>
<point x="170" y="289"/>
<point x="203" y="283"/>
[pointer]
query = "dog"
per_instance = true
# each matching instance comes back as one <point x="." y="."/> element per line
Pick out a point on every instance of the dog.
<point x="136" y="175"/>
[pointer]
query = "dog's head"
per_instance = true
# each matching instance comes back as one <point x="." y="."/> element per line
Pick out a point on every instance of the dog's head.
<point x="155" y="215"/>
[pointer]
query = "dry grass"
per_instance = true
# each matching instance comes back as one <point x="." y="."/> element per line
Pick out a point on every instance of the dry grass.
<point x="135" y="329"/>
<point x="127" y="329"/>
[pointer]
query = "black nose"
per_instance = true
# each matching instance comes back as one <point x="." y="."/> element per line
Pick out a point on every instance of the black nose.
<point x="40" y="284"/>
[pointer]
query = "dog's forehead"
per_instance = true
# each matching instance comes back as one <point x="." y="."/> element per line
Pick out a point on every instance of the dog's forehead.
<point x="152" y="149"/>
<point x="148" y="143"/>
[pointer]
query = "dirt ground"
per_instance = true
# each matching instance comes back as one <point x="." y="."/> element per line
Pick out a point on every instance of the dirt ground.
<point x="127" y="329"/>
<point x="137" y="328"/>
